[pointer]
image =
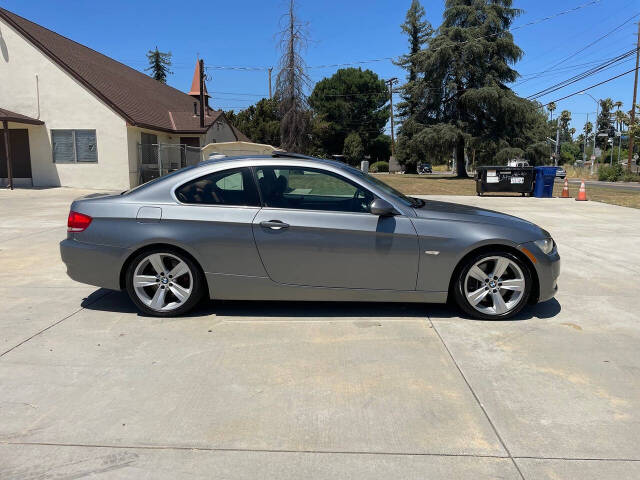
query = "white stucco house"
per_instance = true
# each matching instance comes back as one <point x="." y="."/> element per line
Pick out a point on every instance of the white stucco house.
<point x="77" y="118"/>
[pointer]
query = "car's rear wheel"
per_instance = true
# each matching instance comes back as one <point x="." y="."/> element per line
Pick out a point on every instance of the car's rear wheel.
<point x="164" y="282"/>
<point x="493" y="285"/>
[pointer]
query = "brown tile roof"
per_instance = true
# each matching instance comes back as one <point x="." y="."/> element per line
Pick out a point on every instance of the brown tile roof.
<point x="8" y="116"/>
<point x="241" y="137"/>
<point x="138" y="98"/>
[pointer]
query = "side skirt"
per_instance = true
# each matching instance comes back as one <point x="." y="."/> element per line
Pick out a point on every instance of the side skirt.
<point x="239" y="287"/>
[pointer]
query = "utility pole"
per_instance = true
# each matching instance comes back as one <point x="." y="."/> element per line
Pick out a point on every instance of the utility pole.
<point x="201" y="93"/>
<point x="584" y="147"/>
<point x="633" y="103"/>
<point x="557" y="140"/>
<point x="595" y="134"/>
<point x="391" y="81"/>
<point x="619" y="142"/>
<point x="270" y="70"/>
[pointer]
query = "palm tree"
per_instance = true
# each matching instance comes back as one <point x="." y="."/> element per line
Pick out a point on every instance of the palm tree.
<point x="551" y="107"/>
<point x="621" y="119"/>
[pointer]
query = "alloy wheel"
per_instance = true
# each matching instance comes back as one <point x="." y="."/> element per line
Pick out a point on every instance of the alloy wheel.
<point x="494" y="285"/>
<point x="163" y="282"/>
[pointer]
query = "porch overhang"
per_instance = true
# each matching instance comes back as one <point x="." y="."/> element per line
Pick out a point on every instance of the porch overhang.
<point x="8" y="116"/>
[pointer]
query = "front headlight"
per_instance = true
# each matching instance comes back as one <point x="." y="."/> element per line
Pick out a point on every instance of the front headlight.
<point x="547" y="245"/>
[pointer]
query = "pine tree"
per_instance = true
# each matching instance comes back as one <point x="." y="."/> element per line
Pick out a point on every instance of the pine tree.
<point x="465" y="72"/>
<point x="159" y="64"/>
<point x="419" y="32"/>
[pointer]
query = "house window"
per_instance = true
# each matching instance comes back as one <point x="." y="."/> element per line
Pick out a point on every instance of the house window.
<point x="74" y="146"/>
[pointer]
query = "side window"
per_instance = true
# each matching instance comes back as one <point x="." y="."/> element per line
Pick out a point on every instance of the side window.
<point x="228" y="187"/>
<point x="310" y="189"/>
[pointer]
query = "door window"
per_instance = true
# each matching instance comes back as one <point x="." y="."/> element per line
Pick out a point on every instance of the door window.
<point x="228" y="187"/>
<point x="311" y="189"/>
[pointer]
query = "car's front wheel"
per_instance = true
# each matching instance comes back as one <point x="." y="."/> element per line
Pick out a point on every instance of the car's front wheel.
<point x="163" y="282"/>
<point x="493" y="285"/>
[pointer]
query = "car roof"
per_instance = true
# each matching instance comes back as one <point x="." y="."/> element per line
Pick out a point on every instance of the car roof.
<point x="266" y="159"/>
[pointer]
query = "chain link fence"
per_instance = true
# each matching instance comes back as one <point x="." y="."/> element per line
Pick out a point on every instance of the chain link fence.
<point x="158" y="159"/>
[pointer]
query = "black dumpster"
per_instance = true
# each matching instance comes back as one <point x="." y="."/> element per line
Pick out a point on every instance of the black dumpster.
<point x="504" y="179"/>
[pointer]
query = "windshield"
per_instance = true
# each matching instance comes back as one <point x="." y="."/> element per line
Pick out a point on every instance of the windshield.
<point x="401" y="197"/>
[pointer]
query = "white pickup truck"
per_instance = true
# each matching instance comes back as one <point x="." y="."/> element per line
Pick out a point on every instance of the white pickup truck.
<point x="560" y="172"/>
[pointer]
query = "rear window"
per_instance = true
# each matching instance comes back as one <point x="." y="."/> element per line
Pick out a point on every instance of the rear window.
<point x="228" y="187"/>
<point x="156" y="180"/>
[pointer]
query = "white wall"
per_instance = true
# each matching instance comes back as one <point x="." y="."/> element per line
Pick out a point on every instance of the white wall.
<point x="63" y="104"/>
<point x="220" y="131"/>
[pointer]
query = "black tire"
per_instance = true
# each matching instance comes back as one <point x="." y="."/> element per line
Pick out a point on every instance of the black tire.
<point x="197" y="290"/>
<point x="459" y="288"/>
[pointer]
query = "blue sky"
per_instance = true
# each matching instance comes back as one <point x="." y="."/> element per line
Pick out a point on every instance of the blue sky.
<point x="243" y="33"/>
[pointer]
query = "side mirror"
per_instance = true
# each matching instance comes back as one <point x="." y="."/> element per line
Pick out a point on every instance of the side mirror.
<point x="382" y="208"/>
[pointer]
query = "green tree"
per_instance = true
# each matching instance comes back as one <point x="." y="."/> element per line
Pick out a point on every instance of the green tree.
<point x="604" y="121"/>
<point x="419" y="31"/>
<point x="159" y="64"/>
<point x="565" y="131"/>
<point x="353" y="149"/>
<point x="569" y="152"/>
<point x="259" y="122"/>
<point x="466" y="69"/>
<point x="380" y="148"/>
<point x="351" y="100"/>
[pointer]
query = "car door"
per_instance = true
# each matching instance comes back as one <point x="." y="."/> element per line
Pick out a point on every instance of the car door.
<point x="315" y="229"/>
<point x="215" y="219"/>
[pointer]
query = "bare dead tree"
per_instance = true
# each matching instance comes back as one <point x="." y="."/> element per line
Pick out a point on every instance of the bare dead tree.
<point x="291" y="82"/>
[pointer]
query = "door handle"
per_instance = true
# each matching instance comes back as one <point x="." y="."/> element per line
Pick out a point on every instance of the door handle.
<point x="274" y="224"/>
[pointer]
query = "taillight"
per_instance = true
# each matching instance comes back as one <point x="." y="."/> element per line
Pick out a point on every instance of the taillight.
<point x="78" y="222"/>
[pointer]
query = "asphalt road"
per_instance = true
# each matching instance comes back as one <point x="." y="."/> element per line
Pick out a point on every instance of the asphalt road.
<point x="240" y="390"/>
<point x="628" y="186"/>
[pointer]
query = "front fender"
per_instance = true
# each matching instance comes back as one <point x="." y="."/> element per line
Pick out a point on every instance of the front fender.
<point x="444" y="243"/>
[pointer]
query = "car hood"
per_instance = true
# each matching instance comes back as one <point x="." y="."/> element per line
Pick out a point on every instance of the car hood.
<point x="456" y="212"/>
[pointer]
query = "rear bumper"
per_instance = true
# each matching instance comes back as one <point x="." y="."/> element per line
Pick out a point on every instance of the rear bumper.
<point x="97" y="265"/>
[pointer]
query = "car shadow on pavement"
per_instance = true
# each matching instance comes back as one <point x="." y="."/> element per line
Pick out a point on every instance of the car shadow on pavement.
<point x="119" y="302"/>
<point x="539" y="311"/>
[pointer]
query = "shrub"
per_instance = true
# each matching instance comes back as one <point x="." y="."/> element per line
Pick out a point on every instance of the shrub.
<point x="610" y="173"/>
<point x="631" y="177"/>
<point x="379" y="167"/>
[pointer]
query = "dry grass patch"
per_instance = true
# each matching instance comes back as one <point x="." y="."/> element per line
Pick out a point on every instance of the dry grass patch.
<point x="448" y="185"/>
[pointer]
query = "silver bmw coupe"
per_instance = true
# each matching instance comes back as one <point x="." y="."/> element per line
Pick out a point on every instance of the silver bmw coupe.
<point x="291" y="227"/>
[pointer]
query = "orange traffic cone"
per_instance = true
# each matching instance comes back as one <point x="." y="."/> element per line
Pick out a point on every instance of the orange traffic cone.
<point x="565" y="189"/>
<point x="582" y="193"/>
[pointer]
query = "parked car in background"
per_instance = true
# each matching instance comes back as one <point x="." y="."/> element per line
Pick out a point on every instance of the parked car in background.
<point x="291" y="227"/>
<point x="424" y="167"/>
<point x="561" y="173"/>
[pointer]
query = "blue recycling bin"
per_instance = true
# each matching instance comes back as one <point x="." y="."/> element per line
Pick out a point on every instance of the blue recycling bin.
<point x="545" y="178"/>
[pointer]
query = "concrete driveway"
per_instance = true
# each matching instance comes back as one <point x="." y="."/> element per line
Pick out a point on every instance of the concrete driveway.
<point x="89" y="388"/>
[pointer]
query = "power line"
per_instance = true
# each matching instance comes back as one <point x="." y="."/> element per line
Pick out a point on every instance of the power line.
<point x="383" y="59"/>
<point x="575" y="66"/>
<point x="583" y="75"/>
<point x="238" y="93"/>
<point x="591" y="86"/>
<point x="587" y="46"/>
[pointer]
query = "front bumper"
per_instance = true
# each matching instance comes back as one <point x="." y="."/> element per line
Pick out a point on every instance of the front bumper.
<point x="97" y="265"/>
<point x="548" y="270"/>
